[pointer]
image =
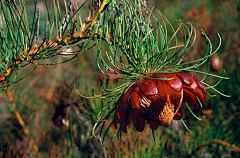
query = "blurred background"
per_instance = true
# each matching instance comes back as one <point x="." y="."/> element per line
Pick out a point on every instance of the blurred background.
<point x="54" y="121"/>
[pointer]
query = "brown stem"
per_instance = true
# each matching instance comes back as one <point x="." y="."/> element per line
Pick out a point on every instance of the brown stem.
<point x="27" y="55"/>
<point x="215" y="141"/>
<point x="22" y="123"/>
<point x="94" y="20"/>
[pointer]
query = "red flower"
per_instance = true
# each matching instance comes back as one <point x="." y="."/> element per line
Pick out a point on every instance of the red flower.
<point x="158" y="101"/>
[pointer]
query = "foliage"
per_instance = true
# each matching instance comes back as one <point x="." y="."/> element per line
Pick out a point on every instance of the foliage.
<point x="42" y="115"/>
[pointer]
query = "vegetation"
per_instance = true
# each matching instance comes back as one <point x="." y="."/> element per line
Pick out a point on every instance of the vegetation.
<point x="64" y="66"/>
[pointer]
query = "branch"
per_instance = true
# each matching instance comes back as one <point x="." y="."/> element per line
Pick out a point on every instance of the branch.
<point x="45" y="46"/>
<point x="215" y="141"/>
<point x="22" y="123"/>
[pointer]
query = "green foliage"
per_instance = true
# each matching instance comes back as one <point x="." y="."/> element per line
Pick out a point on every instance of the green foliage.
<point x="22" y="44"/>
<point x="144" y="42"/>
<point x="132" y="41"/>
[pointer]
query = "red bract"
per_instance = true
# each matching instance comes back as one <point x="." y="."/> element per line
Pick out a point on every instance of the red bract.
<point x="157" y="101"/>
<point x="110" y="74"/>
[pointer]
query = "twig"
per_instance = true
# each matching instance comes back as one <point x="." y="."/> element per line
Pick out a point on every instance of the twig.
<point x="27" y="55"/>
<point x="94" y="20"/>
<point x="22" y="123"/>
<point x="216" y="141"/>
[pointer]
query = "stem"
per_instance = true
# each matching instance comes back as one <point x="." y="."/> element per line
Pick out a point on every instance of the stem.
<point x="94" y="20"/>
<point x="28" y="55"/>
<point x="22" y="123"/>
<point x="216" y="141"/>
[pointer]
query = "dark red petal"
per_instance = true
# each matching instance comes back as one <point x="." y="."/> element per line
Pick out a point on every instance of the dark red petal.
<point x="135" y="99"/>
<point x="190" y="98"/>
<point x="127" y="115"/>
<point x="115" y="120"/>
<point x="153" y="125"/>
<point x="125" y="98"/>
<point x="179" y="114"/>
<point x="138" y="122"/>
<point x="187" y="79"/>
<point x="149" y="88"/>
<point x="123" y="127"/>
<point x="170" y="100"/>
<point x="168" y="94"/>
<point x="123" y="112"/>
<point x="120" y="108"/>
<point x="200" y="85"/>
<point x="193" y="86"/>
<point x="175" y="83"/>
<point x="200" y="95"/>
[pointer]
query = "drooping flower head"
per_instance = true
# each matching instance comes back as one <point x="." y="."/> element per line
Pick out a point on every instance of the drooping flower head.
<point x="144" y="52"/>
<point x="158" y="102"/>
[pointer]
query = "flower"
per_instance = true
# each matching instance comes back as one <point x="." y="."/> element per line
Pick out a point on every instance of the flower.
<point x="157" y="100"/>
<point x="150" y="65"/>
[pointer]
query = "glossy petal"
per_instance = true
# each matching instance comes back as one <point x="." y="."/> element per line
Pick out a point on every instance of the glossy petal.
<point x="192" y="88"/>
<point x="123" y="126"/>
<point x="168" y="94"/>
<point x="186" y="79"/>
<point x="158" y="101"/>
<point x="175" y="83"/>
<point x="167" y="103"/>
<point x="200" y="85"/>
<point x="200" y="95"/>
<point x="138" y="122"/>
<point x="149" y="88"/>
<point x="123" y="113"/>
<point x="153" y="125"/>
<point x="190" y="98"/>
<point x="135" y="99"/>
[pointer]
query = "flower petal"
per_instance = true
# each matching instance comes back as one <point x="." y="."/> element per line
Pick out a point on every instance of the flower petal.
<point x="187" y="79"/>
<point x="200" y="95"/>
<point x="149" y="88"/>
<point x="192" y="88"/>
<point x="138" y="122"/>
<point x="175" y="83"/>
<point x="123" y="113"/>
<point x="190" y="98"/>
<point x="127" y="115"/>
<point x="200" y="85"/>
<point x="153" y="125"/>
<point x="135" y="100"/>
<point x="172" y="102"/>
